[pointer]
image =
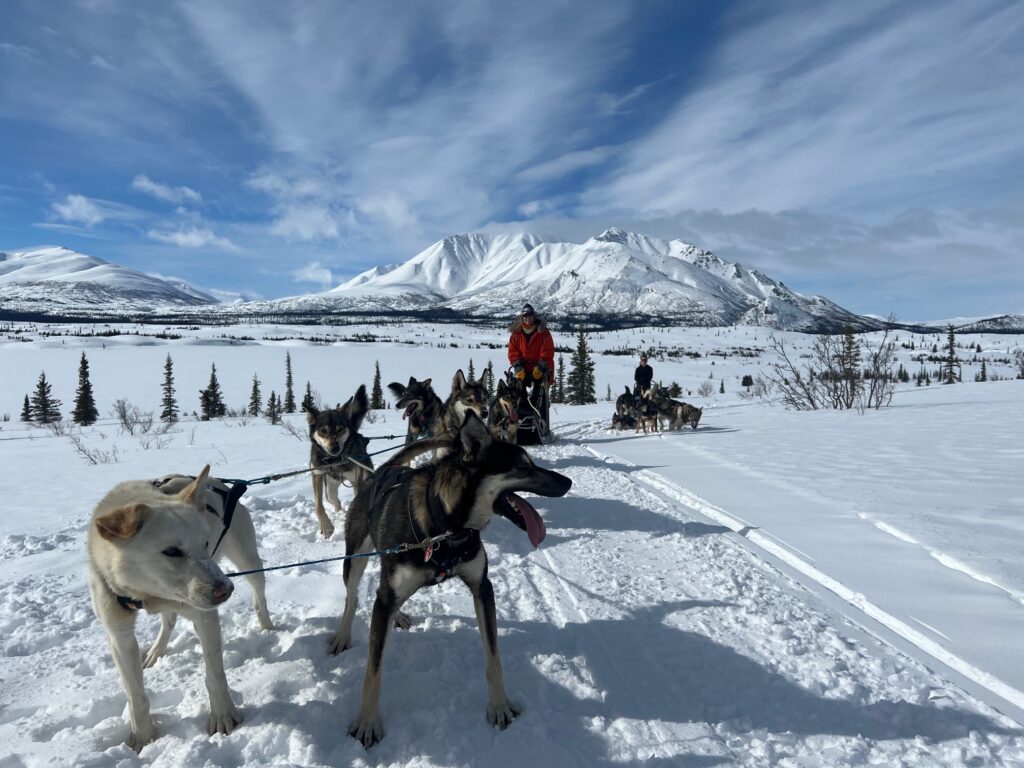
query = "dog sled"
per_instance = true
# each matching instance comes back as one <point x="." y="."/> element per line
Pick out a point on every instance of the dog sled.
<point x="527" y="411"/>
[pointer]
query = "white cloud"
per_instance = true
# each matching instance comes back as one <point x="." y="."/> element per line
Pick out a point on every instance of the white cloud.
<point x="567" y="163"/>
<point x="314" y="273"/>
<point x="297" y="221"/>
<point x="80" y="209"/>
<point x="192" y="237"/>
<point x="146" y="185"/>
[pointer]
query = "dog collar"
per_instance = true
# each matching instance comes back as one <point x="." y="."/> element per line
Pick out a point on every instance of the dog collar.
<point x="128" y="603"/>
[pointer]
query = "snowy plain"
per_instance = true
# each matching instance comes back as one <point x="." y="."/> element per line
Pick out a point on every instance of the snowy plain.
<point x="774" y="588"/>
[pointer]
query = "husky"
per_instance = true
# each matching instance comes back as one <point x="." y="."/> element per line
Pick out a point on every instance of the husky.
<point x="677" y="413"/>
<point x="503" y="411"/>
<point x="647" y="415"/>
<point x="423" y="408"/>
<point x="454" y="498"/>
<point x="338" y="453"/>
<point x="465" y="396"/>
<point x="149" y="548"/>
<point x="623" y="422"/>
<point x="625" y="404"/>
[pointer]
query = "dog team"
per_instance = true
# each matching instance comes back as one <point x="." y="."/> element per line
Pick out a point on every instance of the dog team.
<point x="648" y="406"/>
<point x="155" y="545"/>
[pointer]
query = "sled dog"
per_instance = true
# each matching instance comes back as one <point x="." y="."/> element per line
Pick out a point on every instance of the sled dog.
<point x="677" y="413"/>
<point x="422" y="407"/>
<point x="149" y="548"/>
<point x="456" y="495"/>
<point x="504" y="410"/>
<point x="646" y="413"/>
<point x="334" y="440"/>
<point x="625" y="404"/>
<point x="465" y="396"/>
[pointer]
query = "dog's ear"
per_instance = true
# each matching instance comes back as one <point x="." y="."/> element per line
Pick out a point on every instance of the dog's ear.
<point x="356" y="407"/>
<point x="473" y="436"/>
<point x="122" y="523"/>
<point x="192" y="493"/>
<point x="311" y="414"/>
<point x="397" y="389"/>
<point x="501" y="387"/>
<point x="458" y="381"/>
<point x="425" y="383"/>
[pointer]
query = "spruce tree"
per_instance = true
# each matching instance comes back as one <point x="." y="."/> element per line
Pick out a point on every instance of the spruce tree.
<point x="85" y="412"/>
<point x="984" y="372"/>
<point x="26" y="411"/>
<point x="273" y="409"/>
<point x="487" y="378"/>
<point x="377" y="392"/>
<point x="471" y="372"/>
<point x="289" y="392"/>
<point x="608" y="394"/>
<point x="169" y="406"/>
<point x="255" y="398"/>
<point x="721" y="388"/>
<point x="951" y="365"/>
<point x="45" y="407"/>
<point x="307" y="399"/>
<point x="558" y="391"/>
<point x="580" y="382"/>
<point x="211" y="402"/>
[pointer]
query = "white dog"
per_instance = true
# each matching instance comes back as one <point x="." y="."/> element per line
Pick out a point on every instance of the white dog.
<point x="149" y="548"/>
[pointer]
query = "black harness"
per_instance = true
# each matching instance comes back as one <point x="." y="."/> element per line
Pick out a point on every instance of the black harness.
<point x="446" y="555"/>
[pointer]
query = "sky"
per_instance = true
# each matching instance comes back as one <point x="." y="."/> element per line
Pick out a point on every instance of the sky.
<point x="871" y="152"/>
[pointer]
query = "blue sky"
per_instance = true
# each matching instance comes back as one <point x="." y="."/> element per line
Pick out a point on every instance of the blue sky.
<point x="872" y="152"/>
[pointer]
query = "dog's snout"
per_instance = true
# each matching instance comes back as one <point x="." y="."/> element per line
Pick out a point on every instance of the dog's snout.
<point x="222" y="591"/>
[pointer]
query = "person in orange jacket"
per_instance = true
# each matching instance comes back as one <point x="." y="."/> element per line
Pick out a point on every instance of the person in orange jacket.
<point x="531" y="353"/>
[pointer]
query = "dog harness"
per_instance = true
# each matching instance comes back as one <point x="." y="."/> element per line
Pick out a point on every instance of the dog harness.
<point x="446" y="555"/>
<point x="230" y="501"/>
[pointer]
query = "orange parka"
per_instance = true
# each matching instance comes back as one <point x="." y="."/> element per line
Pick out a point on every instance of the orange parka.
<point x="532" y="348"/>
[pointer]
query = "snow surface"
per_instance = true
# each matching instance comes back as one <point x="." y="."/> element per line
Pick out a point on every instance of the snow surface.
<point x="774" y="588"/>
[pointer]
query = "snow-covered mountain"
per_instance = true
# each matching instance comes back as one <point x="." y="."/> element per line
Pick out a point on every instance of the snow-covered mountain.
<point x="58" y="280"/>
<point x="615" y="274"/>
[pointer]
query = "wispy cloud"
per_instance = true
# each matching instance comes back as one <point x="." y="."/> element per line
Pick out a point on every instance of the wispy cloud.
<point x="79" y="209"/>
<point x="191" y="237"/>
<point x="847" y="106"/>
<point x="314" y="273"/>
<point x="146" y="185"/>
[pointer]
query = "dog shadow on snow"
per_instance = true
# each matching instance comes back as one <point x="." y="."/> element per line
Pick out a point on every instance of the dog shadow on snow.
<point x="624" y="670"/>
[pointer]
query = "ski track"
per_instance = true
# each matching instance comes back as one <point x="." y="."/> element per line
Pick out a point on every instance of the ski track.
<point x="719" y="659"/>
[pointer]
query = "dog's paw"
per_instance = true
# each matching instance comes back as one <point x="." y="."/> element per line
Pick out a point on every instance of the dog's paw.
<point x="366" y="730"/>
<point x="326" y="528"/>
<point x="402" y="620"/>
<point x="152" y="655"/>
<point x="143" y="736"/>
<point x="339" y="644"/>
<point x="503" y="714"/>
<point x="223" y="721"/>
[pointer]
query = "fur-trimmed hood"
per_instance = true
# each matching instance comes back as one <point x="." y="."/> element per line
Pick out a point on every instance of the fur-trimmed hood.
<point x="517" y="325"/>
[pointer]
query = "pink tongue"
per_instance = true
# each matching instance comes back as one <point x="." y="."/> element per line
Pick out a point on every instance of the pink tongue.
<point x="534" y="523"/>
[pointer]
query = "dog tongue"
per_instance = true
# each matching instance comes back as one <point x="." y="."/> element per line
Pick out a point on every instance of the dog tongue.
<point x="534" y="523"/>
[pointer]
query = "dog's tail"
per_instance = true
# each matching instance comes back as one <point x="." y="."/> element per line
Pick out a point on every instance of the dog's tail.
<point x="411" y="451"/>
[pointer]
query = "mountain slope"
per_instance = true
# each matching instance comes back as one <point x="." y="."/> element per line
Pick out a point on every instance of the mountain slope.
<point x="615" y="274"/>
<point x="54" y="279"/>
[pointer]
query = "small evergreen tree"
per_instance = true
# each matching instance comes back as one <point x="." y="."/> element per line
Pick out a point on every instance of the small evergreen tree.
<point x="307" y="399"/>
<point x="674" y="390"/>
<point x="487" y="378"/>
<point x="984" y="372"/>
<point x="255" y="398"/>
<point x="273" y="409"/>
<point x="608" y="394"/>
<point x="377" y="393"/>
<point x="85" y="412"/>
<point x="951" y="365"/>
<point x="748" y="381"/>
<point x="211" y="402"/>
<point x="721" y="388"/>
<point x="289" y="392"/>
<point x="558" y="391"/>
<point x="169" y="412"/>
<point x="45" y="407"/>
<point x="580" y="382"/>
<point x="471" y="372"/>
<point x="26" y="411"/>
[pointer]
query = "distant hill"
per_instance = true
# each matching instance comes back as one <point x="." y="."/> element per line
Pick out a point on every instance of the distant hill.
<point x="55" y="280"/>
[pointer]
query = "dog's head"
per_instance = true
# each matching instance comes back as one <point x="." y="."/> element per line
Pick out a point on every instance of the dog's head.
<point x="160" y="546"/>
<point x="500" y="470"/>
<point x="414" y="397"/>
<point x="694" y="416"/>
<point x="333" y="429"/>
<point x="467" y="396"/>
